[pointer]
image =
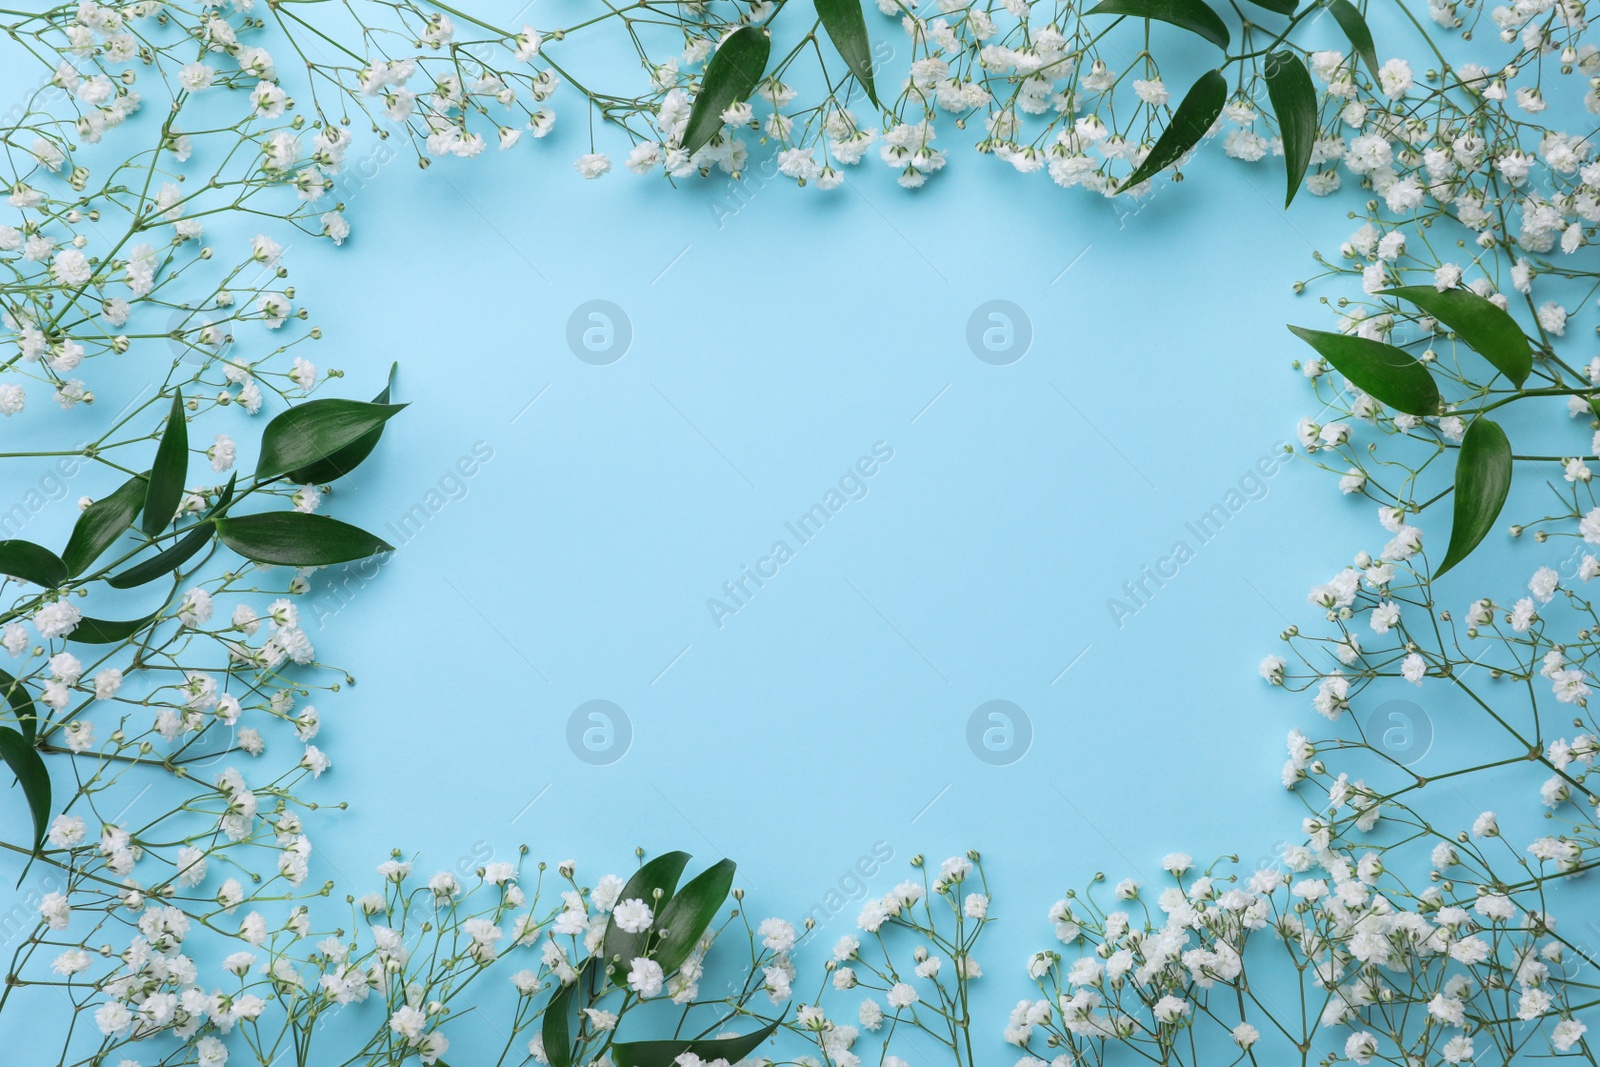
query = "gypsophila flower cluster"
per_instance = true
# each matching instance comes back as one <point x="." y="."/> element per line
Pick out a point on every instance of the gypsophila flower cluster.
<point x="907" y="968"/>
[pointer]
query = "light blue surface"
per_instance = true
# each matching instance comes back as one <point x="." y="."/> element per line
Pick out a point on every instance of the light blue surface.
<point x="769" y="352"/>
<point x="777" y="336"/>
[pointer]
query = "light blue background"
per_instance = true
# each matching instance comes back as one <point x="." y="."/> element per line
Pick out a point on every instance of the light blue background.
<point x="770" y="350"/>
<point x="777" y="334"/>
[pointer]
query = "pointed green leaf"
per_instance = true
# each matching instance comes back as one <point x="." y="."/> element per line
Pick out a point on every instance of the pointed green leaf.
<point x="731" y="76"/>
<point x="292" y="539"/>
<point x="1384" y="371"/>
<point x="620" y="948"/>
<point x="102" y="523"/>
<point x="1191" y="15"/>
<point x="666" y="1053"/>
<point x="166" y="561"/>
<point x="557" y="1025"/>
<point x="21" y="701"/>
<point x="1482" y="324"/>
<point x="688" y="914"/>
<point x="24" y="761"/>
<point x="32" y="563"/>
<point x="1294" y="102"/>
<point x="316" y="430"/>
<point x="167" y="474"/>
<point x="1483" y="478"/>
<point x="847" y="29"/>
<point x="1355" y="28"/>
<point x="1200" y="107"/>
<point x="175" y="556"/>
<point x="350" y="456"/>
<point x="108" y="632"/>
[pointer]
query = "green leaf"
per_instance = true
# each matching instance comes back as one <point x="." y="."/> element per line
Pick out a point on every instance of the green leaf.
<point x="1384" y="371"/>
<point x="167" y="474"/>
<point x="177" y="554"/>
<point x="1200" y="107"/>
<point x="166" y="561"/>
<point x="102" y="523"/>
<point x="1355" y="28"/>
<point x="731" y="76"/>
<point x="22" y="706"/>
<point x="688" y="914"/>
<point x="108" y="632"/>
<point x="351" y="455"/>
<point x="620" y="948"/>
<point x="1191" y="15"/>
<point x="847" y="29"/>
<point x="666" y="1053"/>
<point x="1483" y="478"/>
<point x="24" y="761"/>
<point x="1281" y="7"/>
<point x="295" y="540"/>
<point x="1294" y="102"/>
<point x="316" y="430"/>
<point x="557" y="1025"/>
<point x="1490" y="331"/>
<point x="32" y="563"/>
